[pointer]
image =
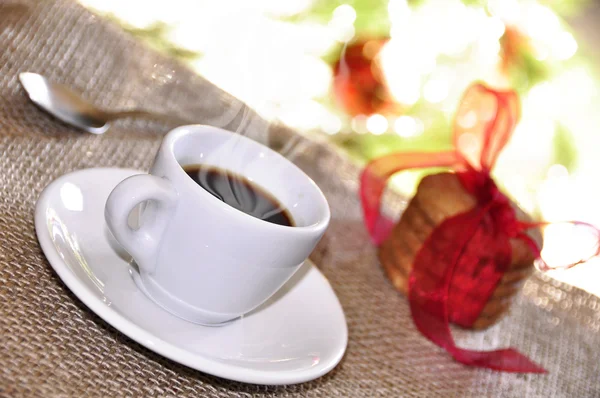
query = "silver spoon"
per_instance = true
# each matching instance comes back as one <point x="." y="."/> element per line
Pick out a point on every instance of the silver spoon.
<point x="68" y="106"/>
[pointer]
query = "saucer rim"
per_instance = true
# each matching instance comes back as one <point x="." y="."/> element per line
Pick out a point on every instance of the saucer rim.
<point x="151" y="341"/>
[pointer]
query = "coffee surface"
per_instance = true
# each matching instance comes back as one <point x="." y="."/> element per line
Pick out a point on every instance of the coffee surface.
<point x="240" y="193"/>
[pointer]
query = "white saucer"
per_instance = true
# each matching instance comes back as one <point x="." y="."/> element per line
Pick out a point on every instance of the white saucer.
<point x="297" y="335"/>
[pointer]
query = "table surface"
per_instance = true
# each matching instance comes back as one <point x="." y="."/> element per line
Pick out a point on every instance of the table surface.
<point x="51" y="345"/>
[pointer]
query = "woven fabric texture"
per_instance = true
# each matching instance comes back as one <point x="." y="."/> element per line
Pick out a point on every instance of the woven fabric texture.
<point x="51" y="345"/>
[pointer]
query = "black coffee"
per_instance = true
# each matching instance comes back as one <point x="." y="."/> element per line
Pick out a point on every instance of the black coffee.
<point x="240" y="193"/>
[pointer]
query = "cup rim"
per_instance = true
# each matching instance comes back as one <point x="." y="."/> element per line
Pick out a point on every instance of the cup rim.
<point x="168" y="145"/>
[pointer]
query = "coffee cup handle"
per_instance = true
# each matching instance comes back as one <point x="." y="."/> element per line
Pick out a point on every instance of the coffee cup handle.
<point x="142" y="244"/>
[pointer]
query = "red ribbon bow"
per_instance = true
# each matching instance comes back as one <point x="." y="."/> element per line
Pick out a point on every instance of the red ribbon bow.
<point x="483" y="125"/>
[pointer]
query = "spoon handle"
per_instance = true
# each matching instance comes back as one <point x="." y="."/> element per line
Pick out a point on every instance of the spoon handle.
<point x="137" y="113"/>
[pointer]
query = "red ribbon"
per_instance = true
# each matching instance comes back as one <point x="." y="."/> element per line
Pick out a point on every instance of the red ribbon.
<point x="475" y="243"/>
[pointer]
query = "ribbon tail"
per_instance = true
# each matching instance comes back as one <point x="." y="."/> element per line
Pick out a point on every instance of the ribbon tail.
<point x="506" y="360"/>
<point x="586" y="230"/>
<point x="373" y="181"/>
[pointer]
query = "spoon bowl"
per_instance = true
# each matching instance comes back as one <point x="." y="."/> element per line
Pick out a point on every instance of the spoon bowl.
<point x="64" y="103"/>
<point x="69" y="106"/>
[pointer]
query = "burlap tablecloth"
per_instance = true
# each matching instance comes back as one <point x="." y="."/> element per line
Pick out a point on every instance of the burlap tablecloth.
<point x="53" y="346"/>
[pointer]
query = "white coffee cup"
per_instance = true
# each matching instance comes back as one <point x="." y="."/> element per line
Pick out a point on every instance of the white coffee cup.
<point x="198" y="257"/>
